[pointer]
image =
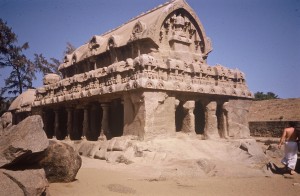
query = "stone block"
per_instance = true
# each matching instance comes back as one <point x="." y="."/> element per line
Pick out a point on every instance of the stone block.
<point x="120" y="144"/>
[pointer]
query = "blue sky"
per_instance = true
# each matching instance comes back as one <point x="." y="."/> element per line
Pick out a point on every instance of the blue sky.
<point x="259" y="37"/>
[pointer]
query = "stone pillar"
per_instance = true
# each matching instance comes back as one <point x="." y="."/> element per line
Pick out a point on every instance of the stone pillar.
<point x="105" y="129"/>
<point x="211" y="122"/>
<point x="225" y="124"/>
<point x="188" y="125"/>
<point x="69" y="123"/>
<point x="56" y="124"/>
<point x="85" y="127"/>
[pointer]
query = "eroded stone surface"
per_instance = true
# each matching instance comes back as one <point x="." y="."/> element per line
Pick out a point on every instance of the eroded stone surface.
<point x="5" y="120"/>
<point x="22" y="140"/>
<point x="27" y="182"/>
<point x="60" y="162"/>
<point x="237" y="118"/>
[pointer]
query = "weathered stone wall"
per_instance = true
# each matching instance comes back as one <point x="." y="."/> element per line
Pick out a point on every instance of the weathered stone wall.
<point x="160" y="114"/>
<point x="275" y="110"/>
<point x="268" y="129"/>
<point x="237" y="118"/>
<point x="268" y="118"/>
<point x="149" y="114"/>
<point x="134" y="118"/>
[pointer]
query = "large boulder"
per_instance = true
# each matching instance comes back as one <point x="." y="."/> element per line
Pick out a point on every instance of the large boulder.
<point x="60" y="162"/>
<point x="28" y="182"/>
<point x="5" y="120"/>
<point x="23" y="140"/>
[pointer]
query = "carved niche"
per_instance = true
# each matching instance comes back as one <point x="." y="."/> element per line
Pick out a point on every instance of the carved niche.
<point x="137" y="30"/>
<point x="179" y="31"/>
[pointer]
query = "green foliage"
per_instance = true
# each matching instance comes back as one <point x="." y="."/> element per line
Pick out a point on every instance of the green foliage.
<point x="262" y="96"/>
<point x="23" y="70"/>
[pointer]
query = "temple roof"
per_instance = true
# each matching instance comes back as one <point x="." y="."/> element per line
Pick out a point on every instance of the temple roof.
<point x="145" y="26"/>
<point x="23" y="102"/>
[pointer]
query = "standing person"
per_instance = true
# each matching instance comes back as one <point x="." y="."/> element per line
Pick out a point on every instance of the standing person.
<point x="289" y="138"/>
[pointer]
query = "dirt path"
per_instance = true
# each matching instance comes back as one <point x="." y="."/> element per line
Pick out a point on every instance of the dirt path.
<point x="99" y="178"/>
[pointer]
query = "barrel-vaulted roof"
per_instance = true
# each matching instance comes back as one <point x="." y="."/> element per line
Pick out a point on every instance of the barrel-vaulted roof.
<point x="147" y="25"/>
<point x="23" y="102"/>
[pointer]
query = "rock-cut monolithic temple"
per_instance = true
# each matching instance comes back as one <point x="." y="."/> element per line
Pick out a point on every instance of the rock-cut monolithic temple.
<point x="145" y="78"/>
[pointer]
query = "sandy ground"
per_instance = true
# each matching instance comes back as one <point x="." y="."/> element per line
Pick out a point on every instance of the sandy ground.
<point x="97" y="177"/>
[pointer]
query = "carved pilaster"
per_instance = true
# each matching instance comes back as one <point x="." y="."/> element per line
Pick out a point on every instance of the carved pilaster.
<point x="56" y="124"/>
<point x="85" y="122"/>
<point x="105" y="129"/>
<point x="69" y="123"/>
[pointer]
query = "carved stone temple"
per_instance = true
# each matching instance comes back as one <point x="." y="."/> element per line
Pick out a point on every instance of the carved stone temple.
<point x="145" y="78"/>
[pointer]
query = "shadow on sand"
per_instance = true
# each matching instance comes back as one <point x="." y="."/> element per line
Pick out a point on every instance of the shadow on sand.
<point x="282" y="170"/>
<point x="277" y="170"/>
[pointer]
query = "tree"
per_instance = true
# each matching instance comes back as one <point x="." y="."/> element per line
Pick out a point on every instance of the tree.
<point x="4" y="104"/>
<point x="23" y="70"/>
<point x="44" y="66"/>
<point x="69" y="48"/>
<point x="262" y="96"/>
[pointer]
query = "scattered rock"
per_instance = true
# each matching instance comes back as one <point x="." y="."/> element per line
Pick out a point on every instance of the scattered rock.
<point x="274" y="152"/>
<point x="296" y="184"/>
<point x="22" y="140"/>
<point x="95" y="148"/>
<point x="28" y="182"/>
<point x="101" y="154"/>
<point x="111" y="144"/>
<point x="60" y="161"/>
<point x="121" y="144"/>
<point x="254" y="150"/>
<point x="206" y="165"/>
<point x="117" y="157"/>
<point x="111" y="157"/>
<point x="86" y="148"/>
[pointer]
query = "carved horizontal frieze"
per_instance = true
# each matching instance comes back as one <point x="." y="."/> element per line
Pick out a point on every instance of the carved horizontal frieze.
<point x="147" y="72"/>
